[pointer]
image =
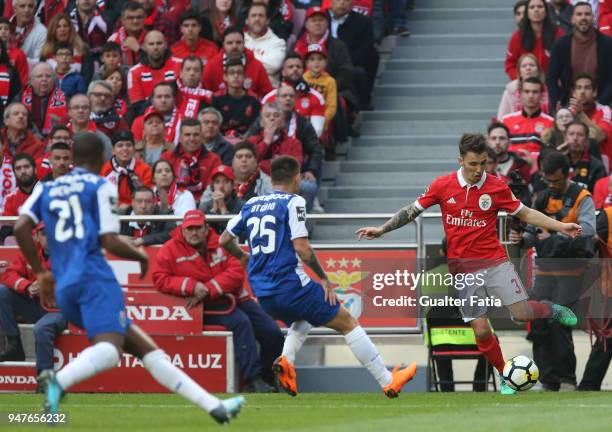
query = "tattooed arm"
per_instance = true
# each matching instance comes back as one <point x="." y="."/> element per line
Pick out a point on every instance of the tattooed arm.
<point x="228" y="242"/>
<point x="403" y="217"/>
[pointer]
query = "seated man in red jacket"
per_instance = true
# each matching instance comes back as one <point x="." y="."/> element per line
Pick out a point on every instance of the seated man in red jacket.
<point x="19" y="296"/>
<point x="273" y="141"/>
<point x="193" y="265"/>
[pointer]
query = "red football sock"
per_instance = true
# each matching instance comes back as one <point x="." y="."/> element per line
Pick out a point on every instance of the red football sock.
<point x="540" y="310"/>
<point x="492" y="351"/>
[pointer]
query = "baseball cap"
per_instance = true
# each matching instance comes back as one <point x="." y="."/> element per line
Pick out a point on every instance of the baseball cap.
<point x="151" y="111"/>
<point x="315" y="49"/>
<point x="224" y="170"/>
<point x="314" y="10"/>
<point x="123" y="136"/>
<point x="193" y="218"/>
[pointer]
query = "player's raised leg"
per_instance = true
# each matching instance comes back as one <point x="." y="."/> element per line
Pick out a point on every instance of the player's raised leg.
<point x="533" y="309"/>
<point x="366" y="352"/>
<point x="138" y="343"/>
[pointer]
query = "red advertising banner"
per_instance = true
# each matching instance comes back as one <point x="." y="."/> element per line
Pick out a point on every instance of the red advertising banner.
<point x="17" y="377"/>
<point x="372" y="284"/>
<point x="202" y="357"/>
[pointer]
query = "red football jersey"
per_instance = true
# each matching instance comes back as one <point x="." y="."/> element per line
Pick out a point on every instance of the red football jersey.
<point x="469" y="215"/>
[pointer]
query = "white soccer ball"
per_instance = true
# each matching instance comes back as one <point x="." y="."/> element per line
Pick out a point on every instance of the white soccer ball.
<point x="521" y="373"/>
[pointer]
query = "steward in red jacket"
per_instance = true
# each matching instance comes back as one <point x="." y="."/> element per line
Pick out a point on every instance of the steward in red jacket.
<point x="192" y="264"/>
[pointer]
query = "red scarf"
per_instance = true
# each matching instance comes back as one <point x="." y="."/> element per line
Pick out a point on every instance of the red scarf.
<point x="120" y="107"/>
<point x="17" y="39"/>
<point x="52" y="8"/>
<point x="158" y="8"/>
<point x="286" y="10"/>
<point x="5" y="85"/>
<point x="243" y="188"/>
<point x="56" y="106"/>
<point x="301" y="46"/>
<point x="173" y="193"/>
<point x="8" y="184"/>
<point x="188" y="173"/>
<point x="189" y="99"/>
<point x="130" y="57"/>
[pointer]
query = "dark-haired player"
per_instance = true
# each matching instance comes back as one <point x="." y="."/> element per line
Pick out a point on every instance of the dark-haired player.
<point x="275" y="225"/>
<point x="470" y="200"/>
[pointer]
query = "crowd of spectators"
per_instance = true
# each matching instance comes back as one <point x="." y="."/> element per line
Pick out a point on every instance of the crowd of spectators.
<point x="192" y="100"/>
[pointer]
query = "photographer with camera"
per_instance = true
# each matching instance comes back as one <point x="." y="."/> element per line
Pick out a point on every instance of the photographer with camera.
<point x="559" y="267"/>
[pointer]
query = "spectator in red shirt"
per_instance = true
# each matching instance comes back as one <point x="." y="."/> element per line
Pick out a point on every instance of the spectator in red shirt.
<point x="191" y="94"/>
<point x="17" y="57"/>
<point x="103" y="112"/>
<point x="156" y="65"/>
<point x="602" y="194"/>
<point x="157" y="18"/>
<point x="209" y="279"/>
<point x="191" y="161"/>
<point x="191" y="44"/>
<point x="273" y="141"/>
<point x="130" y="35"/>
<point x="125" y="171"/>
<point x="527" y="67"/>
<point x="45" y="101"/>
<point x="15" y="135"/>
<point x="19" y="292"/>
<point x="164" y="102"/>
<point x="256" y="81"/>
<point x="535" y="35"/>
<point x="526" y="126"/>
<point x="118" y="81"/>
<point x="598" y="118"/>
<point x="24" y="169"/>
<point x="238" y="107"/>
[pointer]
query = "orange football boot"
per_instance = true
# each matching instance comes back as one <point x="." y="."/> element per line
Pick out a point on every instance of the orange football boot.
<point x="285" y="375"/>
<point x="399" y="379"/>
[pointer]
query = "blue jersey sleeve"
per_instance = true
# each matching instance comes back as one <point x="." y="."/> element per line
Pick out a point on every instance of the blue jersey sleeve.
<point x="32" y="207"/>
<point x="236" y="226"/>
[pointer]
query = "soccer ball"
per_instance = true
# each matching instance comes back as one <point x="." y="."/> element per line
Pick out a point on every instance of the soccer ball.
<point x="521" y="373"/>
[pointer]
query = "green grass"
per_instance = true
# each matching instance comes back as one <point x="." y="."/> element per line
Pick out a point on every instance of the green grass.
<point x="447" y="412"/>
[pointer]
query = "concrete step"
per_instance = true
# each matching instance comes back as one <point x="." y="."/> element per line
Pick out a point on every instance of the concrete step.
<point x="405" y="167"/>
<point x="449" y="51"/>
<point x="498" y="39"/>
<point x="422" y="114"/>
<point x="403" y="152"/>
<point x="456" y="102"/>
<point x="464" y="26"/>
<point x="460" y="13"/>
<point x="436" y="89"/>
<point x="381" y="191"/>
<point x="388" y="179"/>
<point x="465" y="76"/>
<point x="422" y="127"/>
<point x="493" y="63"/>
<point x="407" y="141"/>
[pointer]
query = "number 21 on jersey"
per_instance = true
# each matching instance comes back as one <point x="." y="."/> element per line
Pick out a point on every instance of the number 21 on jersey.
<point x="67" y="210"/>
<point x="262" y="229"/>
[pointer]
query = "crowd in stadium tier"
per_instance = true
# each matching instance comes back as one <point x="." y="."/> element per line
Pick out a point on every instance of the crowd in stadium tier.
<point x="216" y="88"/>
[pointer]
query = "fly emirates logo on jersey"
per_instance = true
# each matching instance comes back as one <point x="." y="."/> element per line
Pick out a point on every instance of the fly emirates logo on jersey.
<point x="465" y="219"/>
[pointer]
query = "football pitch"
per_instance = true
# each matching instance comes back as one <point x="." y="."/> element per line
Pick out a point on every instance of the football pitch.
<point x="531" y="411"/>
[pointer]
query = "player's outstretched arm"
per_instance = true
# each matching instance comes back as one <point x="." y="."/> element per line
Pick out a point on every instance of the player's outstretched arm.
<point x="228" y="242"/>
<point x="23" y="235"/>
<point x="403" y="217"/>
<point x="118" y="246"/>
<point x="307" y="255"/>
<point x="534" y="217"/>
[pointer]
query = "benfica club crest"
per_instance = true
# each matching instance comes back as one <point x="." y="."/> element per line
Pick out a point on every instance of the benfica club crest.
<point x="345" y="274"/>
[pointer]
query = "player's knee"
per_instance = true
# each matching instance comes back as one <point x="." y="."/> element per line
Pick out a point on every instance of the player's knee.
<point x="482" y="331"/>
